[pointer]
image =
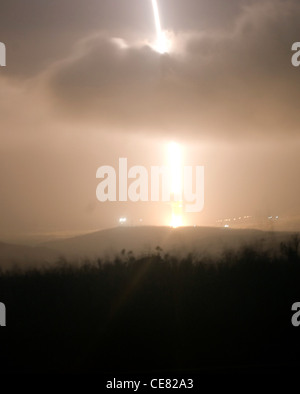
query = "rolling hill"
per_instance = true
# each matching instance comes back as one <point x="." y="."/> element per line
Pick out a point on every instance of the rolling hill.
<point x="144" y="240"/>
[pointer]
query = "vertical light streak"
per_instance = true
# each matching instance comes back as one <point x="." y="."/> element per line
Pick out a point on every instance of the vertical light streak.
<point x="161" y="45"/>
<point x="175" y="165"/>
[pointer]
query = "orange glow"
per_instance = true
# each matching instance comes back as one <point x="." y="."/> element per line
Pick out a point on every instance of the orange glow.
<point x="175" y="165"/>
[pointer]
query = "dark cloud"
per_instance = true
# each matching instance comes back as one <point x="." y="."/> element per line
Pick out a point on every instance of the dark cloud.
<point x="235" y="82"/>
<point x="38" y="32"/>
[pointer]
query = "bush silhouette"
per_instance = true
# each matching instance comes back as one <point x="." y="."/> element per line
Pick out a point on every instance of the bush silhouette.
<point x="154" y="313"/>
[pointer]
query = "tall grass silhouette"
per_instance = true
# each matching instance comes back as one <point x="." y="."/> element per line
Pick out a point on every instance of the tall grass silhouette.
<point x="154" y="313"/>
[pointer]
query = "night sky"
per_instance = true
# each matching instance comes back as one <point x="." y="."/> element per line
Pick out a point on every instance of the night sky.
<point x="84" y="86"/>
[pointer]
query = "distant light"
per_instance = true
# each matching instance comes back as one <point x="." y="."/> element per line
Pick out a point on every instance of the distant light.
<point x="270" y="217"/>
<point x="176" y="221"/>
<point x="277" y="217"/>
<point x="122" y="220"/>
<point x="226" y="226"/>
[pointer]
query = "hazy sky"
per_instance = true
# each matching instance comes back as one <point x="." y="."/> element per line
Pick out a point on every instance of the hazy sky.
<point x="83" y="87"/>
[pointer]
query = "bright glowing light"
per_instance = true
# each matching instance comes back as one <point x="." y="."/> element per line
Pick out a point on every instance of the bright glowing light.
<point x="175" y="165"/>
<point x="161" y="40"/>
<point x="122" y="220"/>
<point x="176" y="221"/>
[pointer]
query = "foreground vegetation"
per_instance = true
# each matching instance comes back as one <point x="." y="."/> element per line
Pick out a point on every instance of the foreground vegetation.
<point x="154" y="314"/>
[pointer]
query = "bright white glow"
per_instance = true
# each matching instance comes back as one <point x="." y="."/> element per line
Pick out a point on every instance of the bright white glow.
<point x="122" y="220"/>
<point x="176" y="220"/>
<point x="175" y="166"/>
<point x="161" y="40"/>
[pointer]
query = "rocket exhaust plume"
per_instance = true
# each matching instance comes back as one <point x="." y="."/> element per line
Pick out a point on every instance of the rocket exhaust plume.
<point x="175" y="164"/>
<point x="161" y="44"/>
